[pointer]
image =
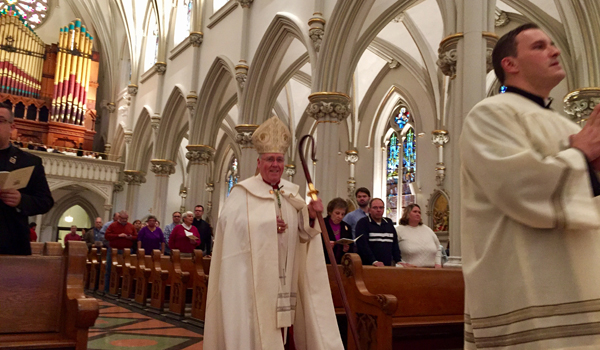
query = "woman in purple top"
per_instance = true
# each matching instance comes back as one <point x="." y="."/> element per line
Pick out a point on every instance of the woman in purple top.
<point x="151" y="237"/>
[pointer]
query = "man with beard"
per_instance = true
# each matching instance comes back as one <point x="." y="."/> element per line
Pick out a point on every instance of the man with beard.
<point x="363" y="197"/>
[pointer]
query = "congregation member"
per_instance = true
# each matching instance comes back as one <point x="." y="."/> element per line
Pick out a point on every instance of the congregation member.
<point x="204" y="229"/>
<point x="268" y="270"/>
<point x="185" y="237"/>
<point x="32" y="234"/>
<point x="530" y="238"/>
<point x="363" y="196"/>
<point x="137" y="224"/>
<point x="169" y="228"/>
<point x="16" y="206"/>
<point x="120" y="234"/>
<point x="88" y="237"/>
<point x="418" y="243"/>
<point x="151" y="237"/>
<point x="99" y="239"/>
<point x="378" y="242"/>
<point x="72" y="235"/>
<point x="337" y="229"/>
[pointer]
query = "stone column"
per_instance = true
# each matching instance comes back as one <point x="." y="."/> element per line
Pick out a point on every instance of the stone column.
<point x="162" y="169"/>
<point x="133" y="178"/>
<point x="117" y="187"/>
<point x="107" y="213"/>
<point x="580" y="103"/>
<point x="439" y="138"/>
<point x="352" y="159"/>
<point x="210" y="188"/>
<point x="329" y="109"/>
<point x="200" y="157"/>
<point x="465" y="57"/>
<point x="248" y="157"/>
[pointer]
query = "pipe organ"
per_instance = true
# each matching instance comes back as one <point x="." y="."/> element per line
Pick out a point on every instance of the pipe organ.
<point x="21" y="56"/>
<point x="72" y="75"/>
<point x="51" y="88"/>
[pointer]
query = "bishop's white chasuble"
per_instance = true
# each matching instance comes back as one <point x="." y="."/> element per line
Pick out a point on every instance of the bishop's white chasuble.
<point x="529" y="230"/>
<point x="261" y="282"/>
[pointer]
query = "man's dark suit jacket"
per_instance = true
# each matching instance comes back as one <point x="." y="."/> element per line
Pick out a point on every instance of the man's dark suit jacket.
<point x="36" y="198"/>
<point x="205" y="235"/>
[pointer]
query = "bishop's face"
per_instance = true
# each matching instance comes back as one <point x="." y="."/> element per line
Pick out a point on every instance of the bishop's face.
<point x="270" y="166"/>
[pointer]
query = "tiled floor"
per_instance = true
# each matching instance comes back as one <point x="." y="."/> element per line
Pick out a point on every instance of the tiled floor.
<point x="120" y="328"/>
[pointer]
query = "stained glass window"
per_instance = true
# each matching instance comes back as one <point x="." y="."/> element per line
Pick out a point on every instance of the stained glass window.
<point x="402" y="117"/>
<point x="33" y="11"/>
<point x="232" y="175"/>
<point x="393" y="164"/>
<point x="151" y="53"/>
<point x="183" y="20"/>
<point x="409" y="166"/>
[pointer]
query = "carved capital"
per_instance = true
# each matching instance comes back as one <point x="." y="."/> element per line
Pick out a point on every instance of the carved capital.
<point x="241" y="73"/>
<point x="351" y="156"/>
<point x="108" y="206"/>
<point x="111" y="107"/>
<point x="162" y="167"/>
<point x="440" y="174"/>
<point x="200" y="154"/>
<point x="127" y="136"/>
<point x="290" y="169"/>
<point x="134" y="177"/>
<point x="351" y="187"/>
<point x="580" y="103"/>
<point x="160" y="67"/>
<point x="107" y="147"/>
<point x="491" y="39"/>
<point x="196" y="38"/>
<point x="447" y="54"/>
<point x="393" y="63"/>
<point x="132" y="89"/>
<point x="244" y="135"/>
<point x="440" y="137"/>
<point x="118" y="187"/>
<point x="210" y="187"/>
<point x="501" y="18"/>
<point x="329" y="107"/>
<point x="317" y="30"/>
<point x="245" y="3"/>
<point x="155" y="121"/>
<point x="191" y="101"/>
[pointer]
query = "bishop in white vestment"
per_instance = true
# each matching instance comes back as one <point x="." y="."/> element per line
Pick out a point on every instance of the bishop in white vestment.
<point x="264" y="277"/>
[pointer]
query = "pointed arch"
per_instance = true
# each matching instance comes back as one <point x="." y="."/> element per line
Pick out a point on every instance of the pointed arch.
<point x="141" y="140"/>
<point x="267" y="60"/>
<point x="118" y="144"/>
<point x="175" y="118"/>
<point x="217" y="87"/>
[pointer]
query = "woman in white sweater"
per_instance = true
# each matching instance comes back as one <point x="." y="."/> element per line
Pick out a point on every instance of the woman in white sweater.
<point x="419" y="246"/>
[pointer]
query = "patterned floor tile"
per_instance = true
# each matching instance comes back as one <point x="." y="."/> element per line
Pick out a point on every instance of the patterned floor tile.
<point x="164" y="331"/>
<point x="112" y="322"/>
<point x="132" y="341"/>
<point x="145" y="325"/>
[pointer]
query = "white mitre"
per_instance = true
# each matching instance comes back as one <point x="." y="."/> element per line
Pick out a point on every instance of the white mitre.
<point x="272" y="136"/>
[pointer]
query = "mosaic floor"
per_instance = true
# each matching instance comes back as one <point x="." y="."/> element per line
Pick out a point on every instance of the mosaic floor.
<point x="121" y="328"/>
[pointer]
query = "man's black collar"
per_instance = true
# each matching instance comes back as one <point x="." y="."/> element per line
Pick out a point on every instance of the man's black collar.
<point x="535" y="98"/>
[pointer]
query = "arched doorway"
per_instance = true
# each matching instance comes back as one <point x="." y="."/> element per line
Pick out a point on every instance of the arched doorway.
<point x="75" y="215"/>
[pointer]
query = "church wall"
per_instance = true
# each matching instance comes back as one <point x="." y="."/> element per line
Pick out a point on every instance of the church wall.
<point x="59" y="17"/>
<point x="146" y="196"/>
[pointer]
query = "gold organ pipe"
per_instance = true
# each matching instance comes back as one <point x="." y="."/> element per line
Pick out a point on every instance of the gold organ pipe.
<point x="88" y="74"/>
<point x="60" y="58"/>
<point x="66" y="73"/>
<point x="3" y="31"/>
<point x="10" y="59"/>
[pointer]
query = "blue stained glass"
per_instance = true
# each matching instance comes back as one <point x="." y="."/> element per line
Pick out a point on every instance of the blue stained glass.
<point x="232" y="175"/>
<point x="189" y="14"/>
<point x="402" y="118"/>
<point x="393" y="163"/>
<point x="409" y="159"/>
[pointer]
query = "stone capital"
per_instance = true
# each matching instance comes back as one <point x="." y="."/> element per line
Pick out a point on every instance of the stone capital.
<point x="245" y="3"/>
<point x="127" y="136"/>
<point x="160" y="67"/>
<point x="118" y="186"/>
<point x="132" y="89"/>
<point x="241" y="73"/>
<point x="328" y="107"/>
<point x="162" y="167"/>
<point x="111" y="107"/>
<point x="210" y="187"/>
<point x="134" y="177"/>
<point x="491" y="39"/>
<point x="244" y="134"/>
<point x="447" y="54"/>
<point x="317" y="30"/>
<point x="352" y="156"/>
<point x="290" y="169"/>
<point x="108" y="206"/>
<point x="440" y="137"/>
<point x="200" y="154"/>
<point x="191" y="101"/>
<point x="580" y="103"/>
<point x="155" y="121"/>
<point x="196" y="38"/>
<point x="501" y="18"/>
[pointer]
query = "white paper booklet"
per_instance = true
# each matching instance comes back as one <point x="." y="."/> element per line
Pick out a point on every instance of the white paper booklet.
<point x="15" y="179"/>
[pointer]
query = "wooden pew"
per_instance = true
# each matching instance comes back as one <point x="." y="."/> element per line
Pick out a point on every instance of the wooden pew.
<point x="88" y="270"/>
<point x="160" y="279"/>
<point x="142" y="278"/>
<point x="37" y="248"/>
<point x="404" y="308"/>
<point x="94" y="257"/>
<point x="129" y="274"/>
<point x="116" y="273"/>
<point x="43" y="304"/>
<point x="181" y="272"/>
<point x="102" y="273"/>
<point x="200" y="286"/>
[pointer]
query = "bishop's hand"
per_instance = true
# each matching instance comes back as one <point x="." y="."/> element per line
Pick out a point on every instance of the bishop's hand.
<point x="315" y="207"/>
<point x="281" y="225"/>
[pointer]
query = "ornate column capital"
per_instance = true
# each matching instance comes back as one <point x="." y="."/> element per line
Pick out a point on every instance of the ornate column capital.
<point x="191" y="101"/>
<point x="107" y="147"/>
<point x="132" y="89"/>
<point x="241" y="73"/>
<point x="317" y="29"/>
<point x="134" y="177"/>
<point x="491" y="39"/>
<point x="210" y="187"/>
<point x="501" y="18"/>
<point x="290" y="169"/>
<point x="160" y="67"/>
<point x="108" y="207"/>
<point x="162" y="167"/>
<point x="200" y="154"/>
<point x="118" y="186"/>
<point x="245" y="3"/>
<point x="328" y="107"/>
<point x="352" y="156"/>
<point x="244" y="135"/>
<point x="440" y="137"/>
<point x="127" y="136"/>
<point x="447" y="54"/>
<point x="111" y="107"/>
<point x="155" y="121"/>
<point x="580" y="103"/>
<point x="196" y="38"/>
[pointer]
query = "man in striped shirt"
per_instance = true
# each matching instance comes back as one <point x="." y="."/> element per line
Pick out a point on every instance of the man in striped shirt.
<point x="378" y="245"/>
